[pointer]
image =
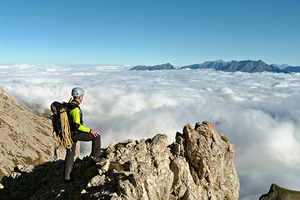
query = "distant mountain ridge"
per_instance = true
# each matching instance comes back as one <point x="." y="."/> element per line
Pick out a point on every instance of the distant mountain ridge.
<point x="166" y="66"/>
<point x="233" y="66"/>
<point x="292" y="69"/>
<point x="249" y="66"/>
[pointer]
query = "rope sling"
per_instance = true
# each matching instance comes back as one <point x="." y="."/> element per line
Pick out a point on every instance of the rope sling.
<point x="66" y="140"/>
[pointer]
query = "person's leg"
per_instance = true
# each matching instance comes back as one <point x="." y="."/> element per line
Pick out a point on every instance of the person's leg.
<point x="96" y="142"/>
<point x="69" y="161"/>
<point x="96" y="146"/>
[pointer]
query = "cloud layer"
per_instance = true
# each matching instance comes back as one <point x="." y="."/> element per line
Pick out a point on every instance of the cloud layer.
<point x="258" y="112"/>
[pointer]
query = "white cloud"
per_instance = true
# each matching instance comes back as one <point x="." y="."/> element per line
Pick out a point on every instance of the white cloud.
<point x="283" y="146"/>
<point x="258" y="112"/>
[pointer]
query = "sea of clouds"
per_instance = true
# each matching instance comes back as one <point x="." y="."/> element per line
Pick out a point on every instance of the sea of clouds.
<point x="259" y="112"/>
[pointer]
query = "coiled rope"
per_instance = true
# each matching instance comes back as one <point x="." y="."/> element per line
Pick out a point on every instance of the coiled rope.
<point x="65" y="140"/>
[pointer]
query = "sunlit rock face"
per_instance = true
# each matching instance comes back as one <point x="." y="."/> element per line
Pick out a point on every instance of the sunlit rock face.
<point x="26" y="139"/>
<point x="198" y="165"/>
<point x="209" y="157"/>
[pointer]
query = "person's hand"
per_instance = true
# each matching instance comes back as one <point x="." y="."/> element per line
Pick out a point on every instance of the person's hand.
<point x="95" y="133"/>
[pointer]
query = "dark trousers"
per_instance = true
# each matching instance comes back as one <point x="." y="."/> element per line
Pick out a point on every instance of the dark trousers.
<point x="80" y="136"/>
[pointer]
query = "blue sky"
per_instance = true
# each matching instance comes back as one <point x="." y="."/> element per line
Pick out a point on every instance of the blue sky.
<point x="149" y="32"/>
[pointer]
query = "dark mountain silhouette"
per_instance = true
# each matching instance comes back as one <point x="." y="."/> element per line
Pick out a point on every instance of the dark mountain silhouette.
<point x="207" y="65"/>
<point x="166" y="66"/>
<point x="249" y="66"/>
<point x="292" y="69"/>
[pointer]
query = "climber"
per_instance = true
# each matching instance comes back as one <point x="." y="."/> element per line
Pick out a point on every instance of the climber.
<point x="79" y="132"/>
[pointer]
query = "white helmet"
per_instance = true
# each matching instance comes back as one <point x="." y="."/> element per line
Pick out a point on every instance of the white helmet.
<point x="76" y="92"/>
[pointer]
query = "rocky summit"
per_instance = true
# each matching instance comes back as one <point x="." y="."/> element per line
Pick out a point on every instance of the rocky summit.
<point x="197" y="165"/>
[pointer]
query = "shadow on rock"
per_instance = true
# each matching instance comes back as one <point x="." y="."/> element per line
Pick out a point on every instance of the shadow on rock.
<point x="46" y="181"/>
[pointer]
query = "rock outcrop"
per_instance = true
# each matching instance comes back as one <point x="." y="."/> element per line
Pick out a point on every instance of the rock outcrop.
<point x="209" y="157"/>
<point x="198" y="165"/>
<point x="277" y="192"/>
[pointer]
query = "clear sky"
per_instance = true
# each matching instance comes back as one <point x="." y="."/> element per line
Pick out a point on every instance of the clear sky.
<point x="149" y="32"/>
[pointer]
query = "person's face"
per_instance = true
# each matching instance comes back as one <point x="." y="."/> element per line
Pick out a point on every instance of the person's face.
<point x="81" y="98"/>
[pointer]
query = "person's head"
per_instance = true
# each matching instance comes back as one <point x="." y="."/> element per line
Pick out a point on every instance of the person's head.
<point x="77" y="94"/>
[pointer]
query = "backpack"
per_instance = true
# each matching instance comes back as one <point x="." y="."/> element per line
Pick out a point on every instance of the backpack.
<point x="60" y="124"/>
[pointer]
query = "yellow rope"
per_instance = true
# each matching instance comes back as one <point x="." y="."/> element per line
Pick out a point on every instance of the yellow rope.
<point x="66" y="140"/>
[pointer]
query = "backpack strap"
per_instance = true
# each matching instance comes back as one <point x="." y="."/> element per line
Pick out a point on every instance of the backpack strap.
<point x="72" y="106"/>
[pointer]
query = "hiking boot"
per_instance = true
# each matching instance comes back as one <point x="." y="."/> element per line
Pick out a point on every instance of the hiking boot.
<point x="69" y="180"/>
<point x="102" y="153"/>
